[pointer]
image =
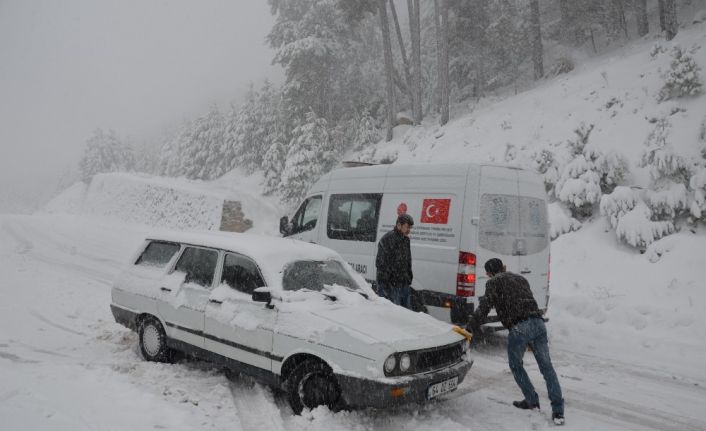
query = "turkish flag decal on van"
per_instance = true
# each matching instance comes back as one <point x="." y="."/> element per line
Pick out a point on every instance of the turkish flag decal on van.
<point x="435" y="211"/>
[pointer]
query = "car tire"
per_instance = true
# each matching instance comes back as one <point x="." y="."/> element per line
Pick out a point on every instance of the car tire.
<point x="153" y="340"/>
<point x="313" y="384"/>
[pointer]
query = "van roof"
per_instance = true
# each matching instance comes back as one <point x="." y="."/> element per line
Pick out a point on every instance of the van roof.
<point x="394" y="169"/>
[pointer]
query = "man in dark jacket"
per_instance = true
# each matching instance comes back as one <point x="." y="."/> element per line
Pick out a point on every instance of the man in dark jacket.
<point x="394" y="262"/>
<point x="512" y="299"/>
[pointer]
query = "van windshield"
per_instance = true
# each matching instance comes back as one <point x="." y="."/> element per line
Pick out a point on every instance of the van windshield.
<point x="511" y="225"/>
<point x="316" y="275"/>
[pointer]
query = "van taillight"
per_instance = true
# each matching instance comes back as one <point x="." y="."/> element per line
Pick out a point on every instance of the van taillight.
<point x="466" y="276"/>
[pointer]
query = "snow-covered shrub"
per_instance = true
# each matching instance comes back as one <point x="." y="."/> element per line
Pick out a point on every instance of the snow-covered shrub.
<point x="656" y="50"/>
<point x="668" y="201"/>
<point x="560" y="221"/>
<point x="104" y="153"/>
<point x="510" y="153"/>
<point x="638" y="229"/>
<point x="683" y="78"/>
<point x="618" y="203"/>
<point x="697" y="184"/>
<point x="563" y="64"/>
<point x="588" y="175"/>
<point x="546" y="164"/>
<point x="659" y="156"/>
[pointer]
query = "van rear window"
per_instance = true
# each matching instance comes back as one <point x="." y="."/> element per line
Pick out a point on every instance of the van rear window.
<point x="512" y="225"/>
<point x="499" y="223"/>
<point x="157" y="254"/>
<point x="533" y="224"/>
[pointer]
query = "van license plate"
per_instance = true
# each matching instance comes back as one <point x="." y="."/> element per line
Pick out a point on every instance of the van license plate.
<point x="442" y="388"/>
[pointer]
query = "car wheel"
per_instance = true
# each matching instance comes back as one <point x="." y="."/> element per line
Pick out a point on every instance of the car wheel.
<point x="153" y="340"/>
<point x="312" y="384"/>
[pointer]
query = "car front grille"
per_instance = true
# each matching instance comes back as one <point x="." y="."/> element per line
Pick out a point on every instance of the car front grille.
<point x="438" y="357"/>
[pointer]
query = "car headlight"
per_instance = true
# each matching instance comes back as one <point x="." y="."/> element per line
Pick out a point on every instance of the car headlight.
<point x="390" y="363"/>
<point x="405" y="362"/>
<point x="465" y="345"/>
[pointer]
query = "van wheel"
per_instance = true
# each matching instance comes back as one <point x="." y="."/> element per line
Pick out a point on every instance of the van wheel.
<point x="153" y="340"/>
<point x="312" y="384"/>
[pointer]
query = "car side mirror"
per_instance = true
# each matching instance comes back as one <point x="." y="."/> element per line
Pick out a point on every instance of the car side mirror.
<point x="284" y="227"/>
<point x="265" y="296"/>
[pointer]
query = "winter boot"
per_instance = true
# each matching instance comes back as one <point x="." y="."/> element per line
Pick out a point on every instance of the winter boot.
<point x="558" y="418"/>
<point x="525" y="405"/>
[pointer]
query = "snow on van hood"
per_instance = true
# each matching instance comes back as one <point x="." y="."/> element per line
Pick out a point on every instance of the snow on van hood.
<point x="319" y="318"/>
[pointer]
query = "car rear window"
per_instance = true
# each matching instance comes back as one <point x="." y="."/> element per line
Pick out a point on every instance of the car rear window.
<point x="315" y="275"/>
<point x="157" y="254"/>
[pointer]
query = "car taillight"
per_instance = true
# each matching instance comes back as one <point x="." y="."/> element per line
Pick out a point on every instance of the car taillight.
<point x="466" y="276"/>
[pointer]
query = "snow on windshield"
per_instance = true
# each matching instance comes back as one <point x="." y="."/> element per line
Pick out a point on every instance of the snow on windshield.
<point x="316" y="275"/>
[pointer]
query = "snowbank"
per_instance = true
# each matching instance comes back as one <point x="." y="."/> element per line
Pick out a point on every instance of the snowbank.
<point x="167" y="202"/>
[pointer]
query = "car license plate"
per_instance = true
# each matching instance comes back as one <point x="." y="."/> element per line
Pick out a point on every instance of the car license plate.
<point x="442" y="388"/>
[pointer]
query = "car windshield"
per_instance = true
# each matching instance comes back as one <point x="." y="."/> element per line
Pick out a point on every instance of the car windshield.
<point x="316" y="275"/>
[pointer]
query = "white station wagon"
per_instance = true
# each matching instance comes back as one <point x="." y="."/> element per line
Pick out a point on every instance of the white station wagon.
<point x="291" y="314"/>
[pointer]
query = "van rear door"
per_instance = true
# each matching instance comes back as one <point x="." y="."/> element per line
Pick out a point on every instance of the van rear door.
<point x="513" y="226"/>
<point x="499" y="220"/>
<point x="533" y="243"/>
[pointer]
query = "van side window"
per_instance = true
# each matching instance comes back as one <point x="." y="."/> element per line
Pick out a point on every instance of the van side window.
<point x="241" y="273"/>
<point x="157" y="254"/>
<point x="199" y="265"/>
<point x="353" y="217"/>
<point x="306" y="216"/>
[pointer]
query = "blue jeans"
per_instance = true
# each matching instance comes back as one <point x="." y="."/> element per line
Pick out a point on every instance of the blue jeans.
<point x="383" y="290"/>
<point x="397" y="294"/>
<point x="532" y="332"/>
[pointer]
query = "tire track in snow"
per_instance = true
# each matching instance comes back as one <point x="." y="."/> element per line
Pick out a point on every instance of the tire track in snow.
<point x="256" y="406"/>
<point x="56" y="325"/>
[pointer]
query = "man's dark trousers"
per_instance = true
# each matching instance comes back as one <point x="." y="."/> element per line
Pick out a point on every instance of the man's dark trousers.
<point x="532" y="332"/>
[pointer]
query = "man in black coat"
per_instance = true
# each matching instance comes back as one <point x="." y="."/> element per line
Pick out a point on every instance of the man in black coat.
<point x="394" y="262"/>
<point x="511" y="296"/>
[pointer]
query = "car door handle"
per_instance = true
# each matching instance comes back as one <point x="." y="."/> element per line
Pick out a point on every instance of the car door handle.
<point x="215" y="301"/>
<point x="165" y="289"/>
<point x="526" y="271"/>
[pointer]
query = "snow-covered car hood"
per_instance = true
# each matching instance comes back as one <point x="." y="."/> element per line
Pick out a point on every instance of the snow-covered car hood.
<point x="368" y="321"/>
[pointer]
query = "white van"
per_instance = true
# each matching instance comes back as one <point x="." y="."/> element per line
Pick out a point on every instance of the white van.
<point x="464" y="214"/>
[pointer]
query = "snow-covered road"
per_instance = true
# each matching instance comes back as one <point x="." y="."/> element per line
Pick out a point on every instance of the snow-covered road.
<point x="65" y="365"/>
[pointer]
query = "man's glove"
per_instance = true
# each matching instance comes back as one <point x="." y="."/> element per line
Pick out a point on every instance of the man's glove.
<point x="473" y="326"/>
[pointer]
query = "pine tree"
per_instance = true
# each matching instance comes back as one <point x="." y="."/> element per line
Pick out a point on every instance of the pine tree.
<point x="667" y="197"/>
<point x="245" y="134"/>
<point x="310" y="154"/>
<point x="367" y="134"/>
<point x="536" y="36"/>
<point x="643" y="26"/>
<point x="105" y="153"/>
<point x="200" y="155"/>
<point x="683" y="78"/>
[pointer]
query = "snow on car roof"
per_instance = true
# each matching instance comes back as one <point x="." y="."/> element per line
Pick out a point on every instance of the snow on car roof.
<point x="270" y="253"/>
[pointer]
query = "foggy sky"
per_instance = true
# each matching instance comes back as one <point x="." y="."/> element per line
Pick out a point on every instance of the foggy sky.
<point x="68" y="67"/>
